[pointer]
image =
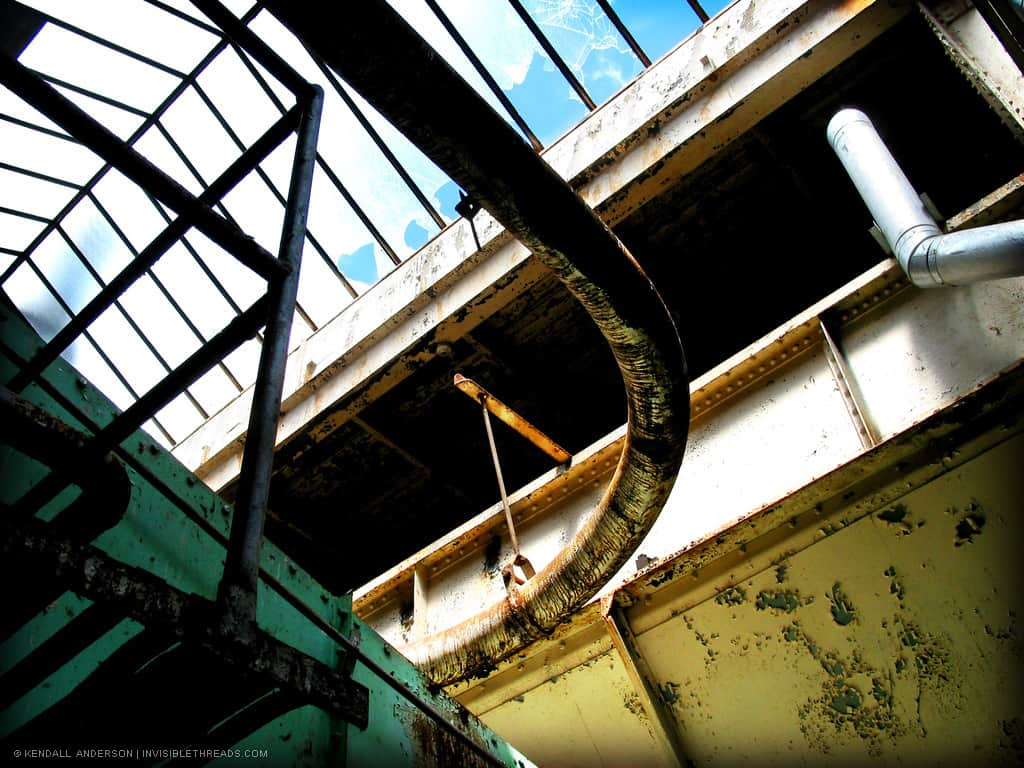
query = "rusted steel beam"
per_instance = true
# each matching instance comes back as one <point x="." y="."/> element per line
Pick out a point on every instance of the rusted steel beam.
<point x="513" y="419"/>
<point x="396" y="71"/>
<point x="42" y="436"/>
<point x="152" y="602"/>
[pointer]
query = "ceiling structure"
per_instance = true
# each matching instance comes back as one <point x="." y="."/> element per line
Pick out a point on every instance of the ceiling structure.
<point x="761" y="230"/>
<point x="758" y="233"/>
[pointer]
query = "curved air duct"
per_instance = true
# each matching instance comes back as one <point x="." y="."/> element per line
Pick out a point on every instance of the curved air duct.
<point x="379" y="55"/>
<point x="929" y="257"/>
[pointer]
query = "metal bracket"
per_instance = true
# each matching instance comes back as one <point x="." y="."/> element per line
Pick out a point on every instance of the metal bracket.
<point x="489" y="405"/>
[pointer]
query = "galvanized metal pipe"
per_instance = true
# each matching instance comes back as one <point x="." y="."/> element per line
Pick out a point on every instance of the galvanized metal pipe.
<point x="383" y="58"/>
<point x="929" y="257"/>
<point x="237" y="592"/>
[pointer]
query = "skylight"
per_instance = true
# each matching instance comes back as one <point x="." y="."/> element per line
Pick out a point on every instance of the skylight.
<point x="162" y="77"/>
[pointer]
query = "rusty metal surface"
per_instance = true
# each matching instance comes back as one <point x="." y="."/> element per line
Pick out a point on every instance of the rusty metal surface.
<point x="157" y="605"/>
<point x="427" y="101"/>
<point x="512" y="419"/>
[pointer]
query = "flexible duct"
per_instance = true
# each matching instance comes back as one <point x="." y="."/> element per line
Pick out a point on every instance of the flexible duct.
<point x="929" y="257"/>
<point x="379" y="55"/>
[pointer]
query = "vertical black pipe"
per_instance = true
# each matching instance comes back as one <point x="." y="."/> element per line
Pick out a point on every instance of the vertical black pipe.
<point x="238" y="587"/>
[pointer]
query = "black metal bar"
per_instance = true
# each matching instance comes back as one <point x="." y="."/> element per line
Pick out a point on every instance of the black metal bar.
<point x="699" y="10"/>
<point x="146" y="406"/>
<point x="184" y="17"/>
<point x="191" y="168"/>
<point x="238" y="588"/>
<point x="62" y="111"/>
<point x="379" y="142"/>
<point x="110" y="102"/>
<point x="269" y="579"/>
<point x="175" y="230"/>
<point x="39" y="128"/>
<point x="38" y="175"/>
<point x="24" y="214"/>
<point x="481" y="70"/>
<point x="234" y="333"/>
<point x="556" y="58"/>
<point x="157" y="282"/>
<point x="623" y="30"/>
<point x="112" y="46"/>
<point x="263" y="53"/>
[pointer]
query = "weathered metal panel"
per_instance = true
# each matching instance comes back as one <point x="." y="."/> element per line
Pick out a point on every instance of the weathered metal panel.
<point x="922" y="351"/>
<point x="894" y="638"/>
<point x="588" y="716"/>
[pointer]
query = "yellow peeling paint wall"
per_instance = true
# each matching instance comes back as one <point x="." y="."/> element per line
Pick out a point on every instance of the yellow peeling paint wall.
<point x="894" y="640"/>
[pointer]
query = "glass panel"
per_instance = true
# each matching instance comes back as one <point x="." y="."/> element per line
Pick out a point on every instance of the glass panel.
<point x="151" y="429"/>
<point x="137" y="26"/>
<point x="589" y="43"/>
<point x="32" y="195"/>
<point x="657" y="25"/>
<point x="120" y="122"/>
<point x="180" y="418"/>
<point x="13" y="105"/>
<point x="83" y="355"/>
<point x="193" y="291"/>
<point x="239" y="98"/>
<point x="244" y="285"/>
<point x="35" y="302"/>
<point x="299" y="333"/>
<point x="65" y="55"/>
<point x="133" y="211"/>
<point x="321" y="293"/>
<point x="713" y="7"/>
<point x="244" y="362"/>
<point x="126" y="350"/>
<point x="202" y="139"/>
<point x="214" y="390"/>
<point x="428" y="177"/>
<point x="160" y="322"/>
<point x="423" y="20"/>
<point x="154" y="147"/>
<point x="46" y="154"/>
<point x="257" y="212"/>
<point x="519" y="65"/>
<point x="65" y="271"/>
<point x="95" y="237"/>
<point x="17" y="232"/>
<point x="340" y="232"/>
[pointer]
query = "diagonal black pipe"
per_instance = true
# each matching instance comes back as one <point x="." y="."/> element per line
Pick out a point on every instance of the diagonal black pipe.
<point x="396" y="71"/>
